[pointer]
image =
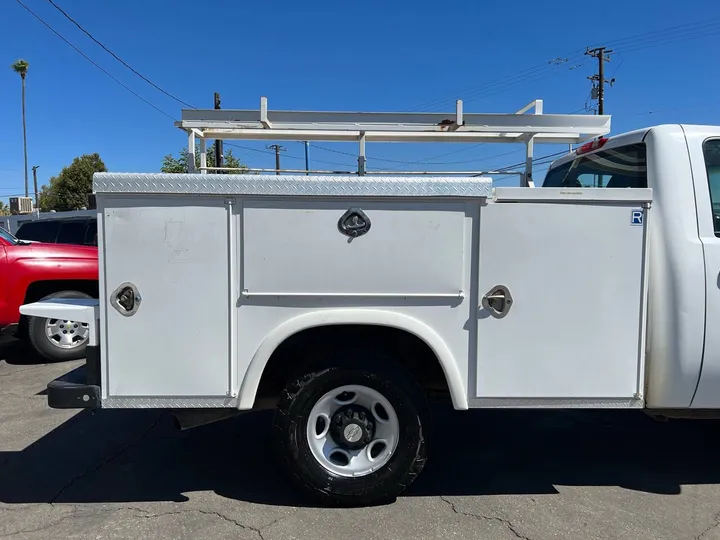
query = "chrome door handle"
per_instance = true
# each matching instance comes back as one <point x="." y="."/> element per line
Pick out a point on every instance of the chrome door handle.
<point x="497" y="301"/>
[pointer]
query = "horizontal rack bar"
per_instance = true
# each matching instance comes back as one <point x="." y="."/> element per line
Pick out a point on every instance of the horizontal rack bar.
<point x="393" y="126"/>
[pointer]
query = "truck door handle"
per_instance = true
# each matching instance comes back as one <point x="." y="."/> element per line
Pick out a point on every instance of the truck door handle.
<point x="497" y="301"/>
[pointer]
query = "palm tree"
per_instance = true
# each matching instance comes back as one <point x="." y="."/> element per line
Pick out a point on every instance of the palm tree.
<point x="21" y="67"/>
<point x="4" y="209"/>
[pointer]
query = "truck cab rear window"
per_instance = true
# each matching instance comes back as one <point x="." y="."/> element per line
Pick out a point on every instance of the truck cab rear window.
<point x="623" y="166"/>
<point x="711" y="152"/>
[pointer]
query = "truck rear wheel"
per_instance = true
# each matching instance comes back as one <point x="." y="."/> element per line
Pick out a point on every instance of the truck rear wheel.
<point x="59" y="340"/>
<point x="353" y="436"/>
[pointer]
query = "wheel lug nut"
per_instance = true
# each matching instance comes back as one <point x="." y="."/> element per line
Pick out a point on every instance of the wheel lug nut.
<point x="361" y="415"/>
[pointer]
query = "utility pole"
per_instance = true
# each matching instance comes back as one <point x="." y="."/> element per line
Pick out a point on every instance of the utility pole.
<point x="34" y="170"/>
<point x="218" y="142"/>
<point x="598" y="92"/>
<point x="277" y="149"/>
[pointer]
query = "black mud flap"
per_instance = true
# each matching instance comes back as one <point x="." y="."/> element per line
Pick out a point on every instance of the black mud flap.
<point x="79" y="388"/>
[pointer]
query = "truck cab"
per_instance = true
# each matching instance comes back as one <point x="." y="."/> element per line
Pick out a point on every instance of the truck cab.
<point x="681" y="164"/>
<point x="31" y="271"/>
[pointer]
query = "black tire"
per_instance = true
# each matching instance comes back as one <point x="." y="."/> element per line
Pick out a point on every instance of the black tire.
<point x="378" y="487"/>
<point x="42" y="344"/>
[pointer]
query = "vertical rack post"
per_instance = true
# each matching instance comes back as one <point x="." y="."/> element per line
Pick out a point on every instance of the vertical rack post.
<point x="191" y="151"/>
<point x="307" y="158"/>
<point x="203" y="155"/>
<point x="529" y="147"/>
<point x="361" y="156"/>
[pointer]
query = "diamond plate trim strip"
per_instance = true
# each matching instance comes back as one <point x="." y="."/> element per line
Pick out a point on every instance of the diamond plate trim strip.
<point x="253" y="184"/>
<point x="168" y="402"/>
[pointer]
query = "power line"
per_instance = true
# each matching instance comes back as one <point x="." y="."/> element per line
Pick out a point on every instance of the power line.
<point x="81" y="53"/>
<point x="632" y="43"/>
<point x="123" y="62"/>
<point x="537" y="159"/>
<point x="158" y="109"/>
<point x="660" y="41"/>
<point x="147" y="80"/>
<point x="662" y="32"/>
<point x="508" y="82"/>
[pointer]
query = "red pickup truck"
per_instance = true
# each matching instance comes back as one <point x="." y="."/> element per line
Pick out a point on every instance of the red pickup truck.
<point x="30" y="271"/>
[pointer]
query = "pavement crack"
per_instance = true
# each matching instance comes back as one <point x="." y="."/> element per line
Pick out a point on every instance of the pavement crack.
<point x="146" y="514"/>
<point x="106" y="461"/>
<point x="228" y="519"/>
<point x="716" y="519"/>
<point x="274" y="522"/>
<point x="505" y="522"/>
<point x="39" y="529"/>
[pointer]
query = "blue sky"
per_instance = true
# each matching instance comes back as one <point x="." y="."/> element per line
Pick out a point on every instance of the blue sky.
<point x="323" y="55"/>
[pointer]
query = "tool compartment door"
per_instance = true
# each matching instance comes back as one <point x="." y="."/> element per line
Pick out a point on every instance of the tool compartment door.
<point x="174" y="251"/>
<point x="562" y="275"/>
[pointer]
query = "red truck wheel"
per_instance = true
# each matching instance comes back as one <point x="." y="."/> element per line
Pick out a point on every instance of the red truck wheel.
<point x="59" y="340"/>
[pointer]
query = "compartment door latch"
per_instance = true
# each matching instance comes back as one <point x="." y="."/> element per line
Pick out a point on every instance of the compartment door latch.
<point x="498" y="301"/>
<point x="126" y="299"/>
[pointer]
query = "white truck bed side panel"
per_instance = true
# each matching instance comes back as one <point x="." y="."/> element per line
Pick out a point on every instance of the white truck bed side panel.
<point x="575" y="272"/>
<point x="412" y="264"/>
<point x="175" y="251"/>
<point x="294" y="248"/>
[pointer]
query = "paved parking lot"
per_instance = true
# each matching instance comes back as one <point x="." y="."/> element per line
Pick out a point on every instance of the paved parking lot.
<point x="495" y="475"/>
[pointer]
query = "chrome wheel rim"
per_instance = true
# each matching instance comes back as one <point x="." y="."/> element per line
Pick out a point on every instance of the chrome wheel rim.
<point x="354" y="446"/>
<point x="66" y="334"/>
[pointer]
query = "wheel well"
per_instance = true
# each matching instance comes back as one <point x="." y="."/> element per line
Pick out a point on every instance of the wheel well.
<point x="40" y="289"/>
<point x="291" y="357"/>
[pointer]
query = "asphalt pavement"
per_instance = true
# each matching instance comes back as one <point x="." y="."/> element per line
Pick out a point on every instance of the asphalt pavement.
<point x="491" y="474"/>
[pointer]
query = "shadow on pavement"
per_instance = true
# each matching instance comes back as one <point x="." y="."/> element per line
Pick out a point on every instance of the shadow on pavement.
<point x="17" y="353"/>
<point x="133" y="456"/>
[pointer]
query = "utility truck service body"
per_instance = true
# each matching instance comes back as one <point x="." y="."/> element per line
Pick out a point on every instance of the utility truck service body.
<point x="345" y="301"/>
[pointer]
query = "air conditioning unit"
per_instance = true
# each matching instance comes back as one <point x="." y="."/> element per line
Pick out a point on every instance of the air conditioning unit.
<point x="21" y="205"/>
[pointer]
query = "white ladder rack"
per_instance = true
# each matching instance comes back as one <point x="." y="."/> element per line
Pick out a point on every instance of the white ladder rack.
<point x="362" y="127"/>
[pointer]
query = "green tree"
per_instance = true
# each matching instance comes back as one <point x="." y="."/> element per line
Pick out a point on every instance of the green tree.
<point x="21" y="68"/>
<point x="172" y="164"/>
<point x="4" y="209"/>
<point x="69" y="190"/>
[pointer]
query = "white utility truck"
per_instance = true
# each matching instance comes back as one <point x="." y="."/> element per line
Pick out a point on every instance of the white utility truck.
<point x="346" y="301"/>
